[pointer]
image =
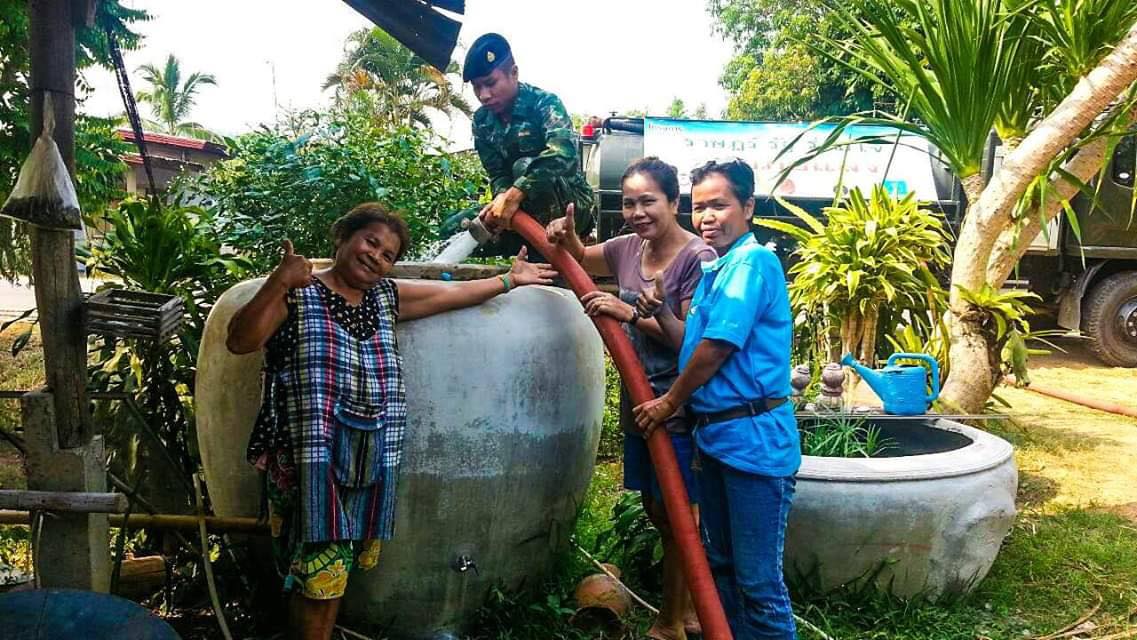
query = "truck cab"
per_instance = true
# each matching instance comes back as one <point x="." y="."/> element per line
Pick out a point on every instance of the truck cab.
<point x="1087" y="280"/>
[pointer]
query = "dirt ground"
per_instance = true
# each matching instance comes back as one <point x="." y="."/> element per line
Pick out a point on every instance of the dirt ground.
<point x="1078" y="456"/>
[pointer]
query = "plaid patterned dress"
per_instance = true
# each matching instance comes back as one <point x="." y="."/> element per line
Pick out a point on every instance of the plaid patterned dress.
<point x="333" y="416"/>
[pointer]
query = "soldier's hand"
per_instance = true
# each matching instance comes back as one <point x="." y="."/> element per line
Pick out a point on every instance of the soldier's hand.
<point x="294" y="271"/>
<point x="490" y="222"/>
<point x="562" y="230"/>
<point x="499" y="213"/>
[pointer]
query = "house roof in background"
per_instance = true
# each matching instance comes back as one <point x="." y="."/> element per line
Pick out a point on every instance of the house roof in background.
<point x="193" y="144"/>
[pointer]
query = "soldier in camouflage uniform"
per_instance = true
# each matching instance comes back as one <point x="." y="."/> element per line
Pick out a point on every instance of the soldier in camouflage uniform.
<point x="526" y="142"/>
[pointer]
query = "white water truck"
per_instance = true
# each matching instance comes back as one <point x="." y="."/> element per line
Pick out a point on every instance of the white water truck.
<point x="1088" y="284"/>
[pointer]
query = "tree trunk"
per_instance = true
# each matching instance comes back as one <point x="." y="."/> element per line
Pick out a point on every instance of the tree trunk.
<point x="991" y="212"/>
<point x="1013" y="242"/>
<point x="974" y="370"/>
<point x="851" y="331"/>
<point x="867" y="346"/>
<point x="974" y="365"/>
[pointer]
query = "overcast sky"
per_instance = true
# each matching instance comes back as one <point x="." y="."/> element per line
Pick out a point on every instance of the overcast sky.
<point x="599" y="56"/>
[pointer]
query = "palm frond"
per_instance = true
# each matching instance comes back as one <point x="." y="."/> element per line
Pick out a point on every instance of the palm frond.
<point x="951" y="61"/>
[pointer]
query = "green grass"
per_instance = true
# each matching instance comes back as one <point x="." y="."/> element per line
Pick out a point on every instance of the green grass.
<point x="1052" y="569"/>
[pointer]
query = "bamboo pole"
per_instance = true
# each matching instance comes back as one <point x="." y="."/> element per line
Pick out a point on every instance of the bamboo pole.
<point x="215" y="524"/>
<point x="69" y="501"/>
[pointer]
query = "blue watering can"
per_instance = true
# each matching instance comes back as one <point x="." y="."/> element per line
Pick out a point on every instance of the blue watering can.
<point x="901" y="388"/>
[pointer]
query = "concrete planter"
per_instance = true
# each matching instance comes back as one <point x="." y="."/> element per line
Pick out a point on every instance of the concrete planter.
<point x="926" y="522"/>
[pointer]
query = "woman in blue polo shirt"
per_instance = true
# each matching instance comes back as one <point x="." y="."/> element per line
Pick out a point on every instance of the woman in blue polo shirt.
<point x="735" y="379"/>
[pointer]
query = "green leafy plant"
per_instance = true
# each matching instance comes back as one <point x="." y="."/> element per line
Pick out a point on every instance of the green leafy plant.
<point x="395" y="87"/>
<point x="1004" y="318"/>
<point x="611" y="434"/>
<point x="98" y="169"/>
<point x="632" y="543"/>
<point x="295" y="180"/>
<point x="962" y="68"/>
<point x="774" y="74"/>
<point x="952" y="61"/>
<point x="527" y="613"/>
<point x="872" y="259"/>
<point x="843" y="437"/>
<point x="170" y="249"/>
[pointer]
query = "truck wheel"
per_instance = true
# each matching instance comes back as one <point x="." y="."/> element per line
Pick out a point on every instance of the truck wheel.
<point x="1111" y="319"/>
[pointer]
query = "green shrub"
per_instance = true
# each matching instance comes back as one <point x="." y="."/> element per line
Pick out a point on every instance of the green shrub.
<point x="294" y="180"/>
<point x="869" y="267"/>
<point x="169" y="249"/>
<point x="611" y="434"/>
<point x="632" y="543"/>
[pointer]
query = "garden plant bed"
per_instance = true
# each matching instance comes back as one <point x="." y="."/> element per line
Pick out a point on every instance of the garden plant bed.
<point x="924" y="518"/>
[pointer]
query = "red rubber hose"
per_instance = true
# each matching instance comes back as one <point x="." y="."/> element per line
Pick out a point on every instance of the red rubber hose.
<point x="695" y="567"/>
<point x="1078" y="398"/>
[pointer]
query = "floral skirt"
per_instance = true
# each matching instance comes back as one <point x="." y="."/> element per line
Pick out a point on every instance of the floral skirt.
<point x="317" y="570"/>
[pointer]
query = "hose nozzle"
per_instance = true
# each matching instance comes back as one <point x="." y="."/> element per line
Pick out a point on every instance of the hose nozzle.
<point x="478" y="230"/>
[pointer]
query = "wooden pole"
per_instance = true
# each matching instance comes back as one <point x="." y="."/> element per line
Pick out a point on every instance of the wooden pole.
<point x="63" y="455"/>
<point x="69" y="501"/>
<point x="168" y="521"/>
<point x="59" y="301"/>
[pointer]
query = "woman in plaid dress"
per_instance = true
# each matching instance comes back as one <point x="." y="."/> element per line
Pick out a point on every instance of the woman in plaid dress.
<point x="329" y="435"/>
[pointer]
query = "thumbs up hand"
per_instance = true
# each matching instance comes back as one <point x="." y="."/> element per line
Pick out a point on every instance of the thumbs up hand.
<point x="294" y="271"/>
<point x="651" y="301"/>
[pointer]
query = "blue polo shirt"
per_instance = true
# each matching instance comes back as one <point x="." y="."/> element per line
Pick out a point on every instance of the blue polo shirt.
<point x="742" y="299"/>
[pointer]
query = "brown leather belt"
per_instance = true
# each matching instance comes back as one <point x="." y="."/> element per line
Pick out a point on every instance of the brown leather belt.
<point x="752" y="408"/>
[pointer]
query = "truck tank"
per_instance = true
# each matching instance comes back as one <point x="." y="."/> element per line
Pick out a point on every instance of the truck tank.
<point x="505" y="402"/>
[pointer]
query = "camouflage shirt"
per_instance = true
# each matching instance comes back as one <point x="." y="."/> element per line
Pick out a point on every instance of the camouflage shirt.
<point x="540" y="128"/>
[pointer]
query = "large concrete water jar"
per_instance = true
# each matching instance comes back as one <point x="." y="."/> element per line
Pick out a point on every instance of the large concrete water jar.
<point x="505" y="402"/>
<point x="925" y="519"/>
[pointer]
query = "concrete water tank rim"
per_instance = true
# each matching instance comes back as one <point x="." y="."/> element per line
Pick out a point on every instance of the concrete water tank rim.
<point x="986" y="451"/>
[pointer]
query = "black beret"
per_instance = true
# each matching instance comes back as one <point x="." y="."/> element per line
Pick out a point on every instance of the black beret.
<point x="486" y="54"/>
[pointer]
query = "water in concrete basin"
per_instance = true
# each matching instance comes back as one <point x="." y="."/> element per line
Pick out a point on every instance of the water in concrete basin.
<point x="457" y="248"/>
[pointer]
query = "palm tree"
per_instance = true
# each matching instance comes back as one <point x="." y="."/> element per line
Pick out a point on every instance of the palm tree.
<point x="396" y="86"/>
<point x="171" y="99"/>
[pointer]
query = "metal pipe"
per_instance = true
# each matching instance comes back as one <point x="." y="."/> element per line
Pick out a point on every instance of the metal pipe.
<point x="695" y="567"/>
<point x="478" y="230"/>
